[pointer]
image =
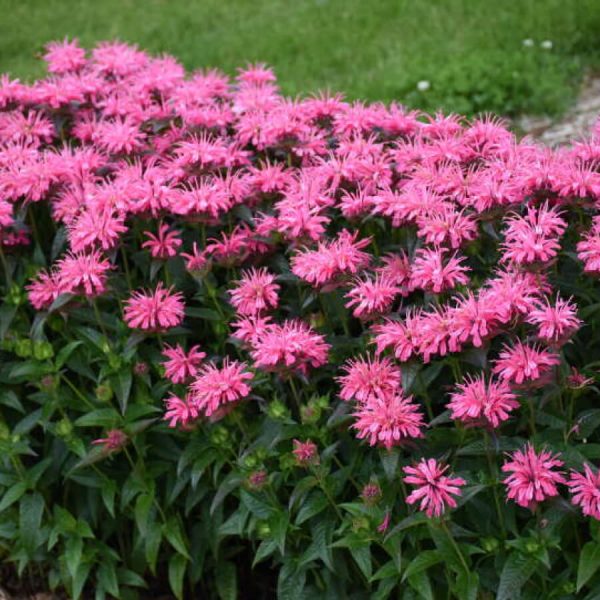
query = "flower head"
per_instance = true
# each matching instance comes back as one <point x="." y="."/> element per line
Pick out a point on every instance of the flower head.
<point x="533" y="477"/>
<point x="522" y="363"/>
<point x="389" y="421"/>
<point x="83" y="273"/>
<point x="216" y="387"/>
<point x="434" y="490"/>
<point x="156" y="310"/>
<point x="181" y="365"/>
<point x="115" y="439"/>
<point x="478" y="401"/>
<point x="306" y="453"/>
<point x="255" y="293"/>
<point x="164" y="244"/>
<point x="585" y="491"/>
<point x="368" y="379"/>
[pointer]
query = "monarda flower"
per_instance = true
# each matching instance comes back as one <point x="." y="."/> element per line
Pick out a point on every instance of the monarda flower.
<point x="555" y="323"/>
<point x="401" y="336"/>
<point x="164" y="244"/>
<point x="388" y="421"/>
<point x="523" y="363"/>
<point x="180" y="411"/>
<point x="434" y="490"/>
<point x="156" y="310"/>
<point x="64" y="57"/>
<point x="215" y="387"/>
<point x="181" y="365"/>
<point x="433" y="272"/>
<point x="305" y="453"/>
<point x="83" y="273"/>
<point x="290" y="347"/>
<point x="585" y="491"/>
<point x="371" y="297"/>
<point x="115" y="439"/>
<point x="533" y="238"/>
<point x="46" y="288"/>
<point x="533" y="477"/>
<point x="255" y="293"/>
<point x="368" y="379"/>
<point x="477" y="402"/>
<point x="332" y="260"/>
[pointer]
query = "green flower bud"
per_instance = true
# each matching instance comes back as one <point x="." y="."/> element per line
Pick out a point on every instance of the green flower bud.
<point x="278" y="410"/>
<point x="250" y="461"/>
<point x="15" y="296"/>
<point x="490" y="544"/>
<point x="104" y="392"/>
<point x="219" y="436"/>
<point x="42" y="350"/>
<point x="532" y="547"/>
<point x="23" y="348"/>
<point x="64" y="428"/>
<point x="4" y="432"/>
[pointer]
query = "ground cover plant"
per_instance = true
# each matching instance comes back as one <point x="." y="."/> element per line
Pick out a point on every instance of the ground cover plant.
<point x="466" y="56"/>
<point x="259" y="347"/>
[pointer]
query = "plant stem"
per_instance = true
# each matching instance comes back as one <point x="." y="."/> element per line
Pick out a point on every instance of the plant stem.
<point x="455" y="546"/>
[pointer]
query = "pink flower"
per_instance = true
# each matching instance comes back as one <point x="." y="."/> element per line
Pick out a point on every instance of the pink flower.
<point x="96" y="226"/>
<point x="180" y="411"/>
<point x="577" y="380"/>
<point x="479" y="402"/>
<point x="120" y="136"/>
<point x="371" y="297"/>
<point x="290" y="347"/>
<point x="216" y="387"/>
<point x="388" y="421"/>
<point x="163" y="245"/>
<point x="64" y="56"/>
<point x="255" y="293"/>
<point x="383" y="526"/>
<point x="154" y="311"/>
<point x="534" y="237"/>
<point x="369" y="379"/>
<point x="401" y="336"/>
<point x="371" y="494"/>
<point x="83" y="274"/>
<point x="585" y="490"/>
<point x="45" y="289"/>
<point x="432" y="272"/>
<point x="115" y="439"/>
<point x="306" y="453"/>
<point x="533" y="477"/>
<point x="332" y="260"/>
<point x="181" y="366"/>
<point x="556" y="324"/>
<point x="434" y="490"/>
<point x="523" y="363"/>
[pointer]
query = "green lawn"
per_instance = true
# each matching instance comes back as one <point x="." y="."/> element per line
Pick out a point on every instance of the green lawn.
<point x="471" y="51"/>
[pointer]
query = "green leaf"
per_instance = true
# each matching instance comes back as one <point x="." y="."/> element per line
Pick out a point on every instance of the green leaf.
<point x="102" y="417"/>
<point x="517" y="570"/>
<point x="315" y="503"/>
<point x="31" y="509"/>
<point x="108" y="491"/>
<point x="79" y="580"/>
<point x="388" y="570"/>
<point x="389" y="460"/>
<point x="73" y="552"/>
<point x="257" y="506"/>
<point x="172" y="531"/>
<point x="12" y="495"/>
<point x="107" y="578"/>
<point x="152" y="546"/>
<point x="121" y="383"/>
<point x="226" y="581"/>
<point x="279" y="525"/>
<point x="63" y="356"/>
<point x="265" y="549"/>
<point x="467" y="585"/>
<point x="362" y="557"/>
<point x="421" y="584"/>
<point x="589" y="561"/>
<point x="177" y="567"/>
<point x="143" y="505"/>
<point x="422" y="562"/>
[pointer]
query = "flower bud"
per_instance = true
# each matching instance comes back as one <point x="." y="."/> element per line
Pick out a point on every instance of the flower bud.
<point x="42" y="350"/>
<point x="278" y="410"/>
<point x="23" y="348"/>
<point x="258" y="479"/>
<point x="489" y="544"/>
<point x="104" y="392"/>
<point x="371" y="494"/>
<point x="64" y="428"/>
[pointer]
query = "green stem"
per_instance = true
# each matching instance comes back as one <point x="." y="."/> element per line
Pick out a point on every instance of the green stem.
<point x="7" y="274"/>
<point x="494" y="474"/>
<point x="77" y="392"/>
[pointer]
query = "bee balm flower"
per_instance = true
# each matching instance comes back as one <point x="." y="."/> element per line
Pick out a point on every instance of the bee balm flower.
<point x="154" y="311"/>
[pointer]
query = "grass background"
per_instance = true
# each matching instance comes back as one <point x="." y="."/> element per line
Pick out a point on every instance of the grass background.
<point x="471" y="51"/>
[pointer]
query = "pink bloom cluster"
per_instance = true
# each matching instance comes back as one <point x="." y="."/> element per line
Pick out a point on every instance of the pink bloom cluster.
<point x="295" y="192"/>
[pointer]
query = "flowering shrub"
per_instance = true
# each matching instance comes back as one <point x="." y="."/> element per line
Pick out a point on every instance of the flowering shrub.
<point x="296" y="348"/>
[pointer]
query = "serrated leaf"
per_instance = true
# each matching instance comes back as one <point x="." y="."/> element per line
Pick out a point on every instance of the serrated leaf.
<point x="589" y="561"/>
<point x="362" y="557"/>
<point x="313" y="505"/>
<point x="422" y="562"/>
<point x="177" y="567"/>
<point x="12" y="495"/>
<point x="515" y="574"/>
<point x="226" y="579"/>
<point x="172" y="531"/>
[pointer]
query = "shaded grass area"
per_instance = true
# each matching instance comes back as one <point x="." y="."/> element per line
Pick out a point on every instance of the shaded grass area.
<point x="470" y="51"/>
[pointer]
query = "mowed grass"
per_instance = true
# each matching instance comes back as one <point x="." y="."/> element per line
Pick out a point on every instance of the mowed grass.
<point x="470" y="51"/>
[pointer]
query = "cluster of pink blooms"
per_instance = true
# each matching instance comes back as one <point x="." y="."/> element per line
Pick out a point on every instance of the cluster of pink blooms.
<point x="155" y="157"/>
